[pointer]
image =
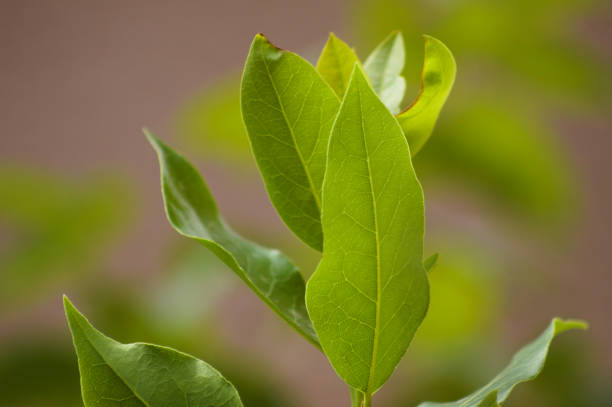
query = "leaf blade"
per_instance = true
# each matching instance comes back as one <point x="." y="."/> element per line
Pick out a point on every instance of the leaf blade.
<point x="288" y="110"/>
<point x="141" y="374"/>
<point x="525" y="365"/>
<point x="384" y="67"/>
<point x="437" y="79"/>
<point x="335" y="64"/>
<point x="193" y="213"/>
<point x="379" y="306"/>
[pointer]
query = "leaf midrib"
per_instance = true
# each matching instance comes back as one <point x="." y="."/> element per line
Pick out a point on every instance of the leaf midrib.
<point x="376" y="236"/>
<point x="290" y="128"/>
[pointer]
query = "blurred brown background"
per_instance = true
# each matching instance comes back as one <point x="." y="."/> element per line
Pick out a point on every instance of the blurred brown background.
<point x="78" y="80"/>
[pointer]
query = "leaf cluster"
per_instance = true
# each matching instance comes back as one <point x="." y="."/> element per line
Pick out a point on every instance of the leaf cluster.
<point x="334" y="149"/>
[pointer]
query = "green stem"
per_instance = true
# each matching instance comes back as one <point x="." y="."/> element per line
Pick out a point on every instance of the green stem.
<point x="367" y="400"/>
<point x="356" y="398"/>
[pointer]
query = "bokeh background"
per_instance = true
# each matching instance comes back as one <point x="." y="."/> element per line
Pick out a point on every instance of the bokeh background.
<point x="516" y="177"/>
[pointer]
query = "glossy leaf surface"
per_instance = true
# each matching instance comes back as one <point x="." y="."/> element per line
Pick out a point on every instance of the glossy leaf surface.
<point x="140" y="374"/>
<point x="370" y="291"/>
<point x="288" y="110"/>
<point x="437" y="80"/>
<point x="525" y="365"/>
<point x="384" y="67"/>
<point x="336" y="64"/>
<point x="192" y="211"/>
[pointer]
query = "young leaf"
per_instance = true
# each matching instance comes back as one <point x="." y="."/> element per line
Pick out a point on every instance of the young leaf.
<point x="288" y="110"/>
<point x="384" y="67"/>
<point x="193" y="213"/>
<point x="336" y="64"/>
<point x="525" y="365"/>
<point x="437" y="79"/>
<point x="370" y="291"/>
<point x="140" y="374"/>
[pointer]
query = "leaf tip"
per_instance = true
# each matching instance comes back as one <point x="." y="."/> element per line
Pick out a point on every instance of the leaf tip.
<point x="562" y="325"/>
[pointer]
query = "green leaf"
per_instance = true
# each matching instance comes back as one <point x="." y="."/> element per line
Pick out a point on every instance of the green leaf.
<point x="437" y="80"/>
<point x="288" y="110"/>
<point x="336" y="64"/>
<point x="525" y="365"/>
<point x="384" y="67"/>
<point x="431" y="261"/>
<point x="370" y="291"/>
<point x="140" y="374"/>
<point x="193" y="213"/>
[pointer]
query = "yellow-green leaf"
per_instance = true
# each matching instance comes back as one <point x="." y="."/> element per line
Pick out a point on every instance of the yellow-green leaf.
<point x="370" y="291"/>
<point x="336" y="63"/>
<point x="437" y="80"/>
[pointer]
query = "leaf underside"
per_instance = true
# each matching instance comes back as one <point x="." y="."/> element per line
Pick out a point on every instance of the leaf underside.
<point x="192" y="212"/>
<point x="288" y="110"/>
<point x="526" y="364"/>
<point x="384" y="67"/>
<point x="142" y="375"/>
<point x="370" y="292"/>
<point x="437" y="79"/>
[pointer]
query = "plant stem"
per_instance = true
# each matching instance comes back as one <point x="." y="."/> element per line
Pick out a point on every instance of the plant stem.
<point x="356" y="398"/>
<point x="367" y="400"/>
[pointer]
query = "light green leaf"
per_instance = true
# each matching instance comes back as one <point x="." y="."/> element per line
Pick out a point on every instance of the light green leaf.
<point x="193" y="213"/>
<point x="370" y="291"/>
<point x="525" y="365"/>
<point x="431" y="261"/>
<point x="140" y="374"/>
<point x="336" y="64"/>
<point x="437" y="80"/>
<point x="384" y="67"/>
<point x="288" y="110"/>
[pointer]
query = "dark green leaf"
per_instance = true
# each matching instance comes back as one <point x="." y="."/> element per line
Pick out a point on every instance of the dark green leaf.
<point x="525" y="365"/>
<point x="193" y="213"/>
<point x="384" y="67"/>
<point x="437" y="81"/>
<point x="288" y="110"/>
<point x="370" y="291"/>
<point x="140" y="374"/>
<point x="336" y="64"/>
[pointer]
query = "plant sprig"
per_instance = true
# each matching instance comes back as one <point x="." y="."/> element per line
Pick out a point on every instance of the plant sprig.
<point x="334" y="149"/>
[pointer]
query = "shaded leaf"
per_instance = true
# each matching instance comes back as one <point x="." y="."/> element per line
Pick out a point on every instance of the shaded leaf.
<point x="288" y="110"/>
<point x="193" y="213"/>
<point x="140" y="374"/>
<point x="336" y="64"/>
<point x="525" y="365"/>
<point x="384" y="67"/>
<point x="370" y="292"/>
<point x="437" y="80"/>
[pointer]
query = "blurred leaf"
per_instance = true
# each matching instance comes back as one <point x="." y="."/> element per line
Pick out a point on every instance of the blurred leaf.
<point x="370" y="293"/>
<point x="193" y="213"/>
<point x="336" y="64"/>
<point x="141" y="374"/>
<point x="211" y="124"/>
<point x="288" y="111"/>
<point x="525" y="365"/>
<point x="47" y="216"/>
<point x="384" y="67"/>
<point x="437" y="79"/>
<point x="507" y="156"/>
